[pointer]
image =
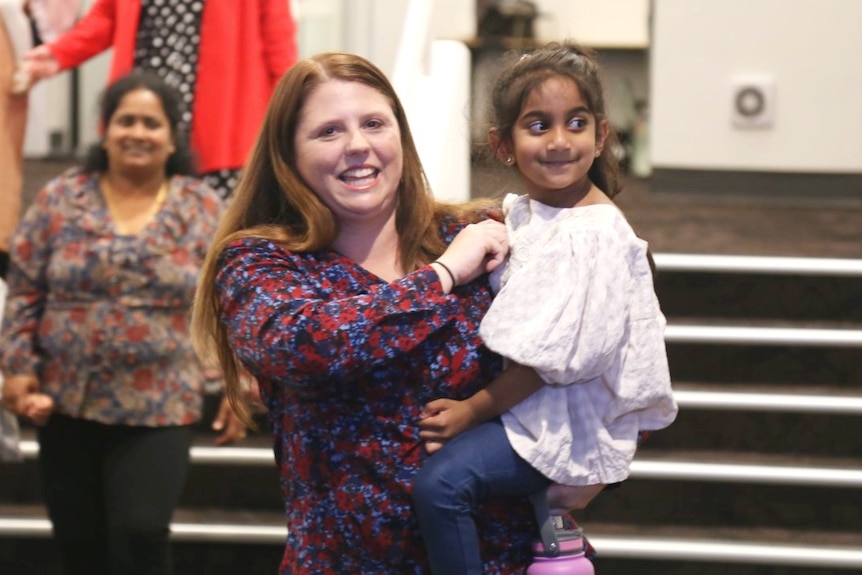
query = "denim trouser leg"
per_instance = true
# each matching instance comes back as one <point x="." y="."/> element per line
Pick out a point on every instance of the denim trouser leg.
<point x="477" y="466"/>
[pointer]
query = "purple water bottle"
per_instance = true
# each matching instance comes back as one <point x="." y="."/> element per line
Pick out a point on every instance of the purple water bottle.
<point x="559" y="551"/>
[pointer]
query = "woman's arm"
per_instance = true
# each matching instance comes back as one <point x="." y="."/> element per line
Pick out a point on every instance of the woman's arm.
<point x="304" y="318"/>
<point x="278" y="30"/>
<point x="93" y="34"/>
<point x="289" y="318"/>
<point x="30" y="252"/>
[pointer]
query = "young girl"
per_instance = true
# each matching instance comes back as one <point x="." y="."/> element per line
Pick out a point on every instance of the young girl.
<point x="576" y="305"/>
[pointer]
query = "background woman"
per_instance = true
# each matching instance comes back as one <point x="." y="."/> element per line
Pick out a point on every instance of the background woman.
<point x="103" y="271"/>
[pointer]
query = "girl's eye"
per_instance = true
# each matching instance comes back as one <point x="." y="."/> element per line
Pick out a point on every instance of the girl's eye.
<point x="374" y="124"/>
<point x="536" y="127"/>
<point x="152" y="124"/>
<point x="578" y="123"/>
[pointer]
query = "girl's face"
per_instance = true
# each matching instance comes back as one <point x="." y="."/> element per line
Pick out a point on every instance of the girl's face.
<point x="138" y="135"/>
<point x="348" y="150"/>
<point x="554" y="142"/>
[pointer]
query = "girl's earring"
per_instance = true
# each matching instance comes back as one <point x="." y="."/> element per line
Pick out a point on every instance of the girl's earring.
<point x="598" y="153"/>
<point x="510" y="160"/>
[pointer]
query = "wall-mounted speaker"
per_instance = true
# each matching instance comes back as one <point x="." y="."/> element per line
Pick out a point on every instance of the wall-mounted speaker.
<point x="752" y="101"/>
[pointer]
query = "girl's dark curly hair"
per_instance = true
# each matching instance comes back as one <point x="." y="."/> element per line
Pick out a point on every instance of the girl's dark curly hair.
<point x="523" y="71"/>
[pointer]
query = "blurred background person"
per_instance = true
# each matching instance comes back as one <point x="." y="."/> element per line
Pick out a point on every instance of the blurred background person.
<point x="15" y="39"/>
<point x="18" y="18"/>
<point x="102" y="274"/>
<point x="223" y="56"/>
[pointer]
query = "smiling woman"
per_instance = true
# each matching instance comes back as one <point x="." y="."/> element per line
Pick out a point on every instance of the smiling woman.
<point x="138" y="142"/>
<point x="103" y="272"/>
<point x="349" y="152"/>
<point x="353" y="297"/>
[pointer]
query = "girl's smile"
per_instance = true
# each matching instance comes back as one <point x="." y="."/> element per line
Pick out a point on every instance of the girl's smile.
<point x="555" y="141"/>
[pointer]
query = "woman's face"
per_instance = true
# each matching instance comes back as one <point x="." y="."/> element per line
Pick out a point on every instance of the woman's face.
<point x="348" y="150"/>
<point x="138" y="136"/>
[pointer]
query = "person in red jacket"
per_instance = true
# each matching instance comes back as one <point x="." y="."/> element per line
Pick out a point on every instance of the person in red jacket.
<point x="224" y="56"/>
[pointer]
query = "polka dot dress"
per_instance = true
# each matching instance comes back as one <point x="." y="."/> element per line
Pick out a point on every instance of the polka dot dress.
<point x="167" y="44"/>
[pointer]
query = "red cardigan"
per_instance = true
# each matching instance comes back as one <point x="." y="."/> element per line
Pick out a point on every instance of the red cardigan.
<point x="245" y="48"/>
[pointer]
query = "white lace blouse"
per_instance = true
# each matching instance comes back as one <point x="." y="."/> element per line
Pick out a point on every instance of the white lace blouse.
<point x="576" y="302"/>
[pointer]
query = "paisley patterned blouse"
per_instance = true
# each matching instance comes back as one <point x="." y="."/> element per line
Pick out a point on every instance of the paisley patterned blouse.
<point x="102" y="318"/>
<point x="345" y="362"/>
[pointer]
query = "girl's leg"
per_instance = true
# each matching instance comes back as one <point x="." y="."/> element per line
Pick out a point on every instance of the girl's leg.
<point x="70" y="469"/>
<point x="144" y="476"/>
<point x="477" y="466"/>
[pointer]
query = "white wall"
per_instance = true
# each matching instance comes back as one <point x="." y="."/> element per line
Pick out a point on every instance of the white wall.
<point x="812" y="51"/>
<point x="373" y="28"/>
<point x="598" y="23"/>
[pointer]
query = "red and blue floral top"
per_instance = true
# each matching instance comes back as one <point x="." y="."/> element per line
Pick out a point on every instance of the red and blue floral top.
<point x="102" y="318"/>
<point x="345" y="362"/>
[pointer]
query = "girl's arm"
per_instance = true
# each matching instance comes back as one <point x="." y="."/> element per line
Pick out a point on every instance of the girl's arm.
<point x="443" y="419"/>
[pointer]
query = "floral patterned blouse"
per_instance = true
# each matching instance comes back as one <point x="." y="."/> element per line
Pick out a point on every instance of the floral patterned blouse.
<point x="103" y="318"/>
<point x="345" y="363"/>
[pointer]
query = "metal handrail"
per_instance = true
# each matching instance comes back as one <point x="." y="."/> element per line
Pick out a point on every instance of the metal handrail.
<point x="642" y="468"/>
<point x="201" y="455"/>
<point x="741" y="335"/>
<point x="759" y="401"/>
<point x="758" y="264"/>
<point x="717" y="551"/>
<point x="611" y="546"/>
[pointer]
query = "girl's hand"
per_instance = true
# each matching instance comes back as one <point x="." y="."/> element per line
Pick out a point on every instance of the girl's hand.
<point x="477" y="249"/>
<point x="565" y="498"/>
<point x="443" y="419"/>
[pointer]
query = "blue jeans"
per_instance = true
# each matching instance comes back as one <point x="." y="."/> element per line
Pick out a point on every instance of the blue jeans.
<point x="477" y="466"/>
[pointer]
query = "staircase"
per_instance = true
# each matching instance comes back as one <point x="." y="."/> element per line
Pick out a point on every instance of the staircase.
<point x="759" y="475"/>
<point x="760" y="472"/>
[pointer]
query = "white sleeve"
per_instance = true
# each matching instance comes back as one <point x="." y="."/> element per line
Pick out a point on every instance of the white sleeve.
<point x="17" y="27"/>
<point x="54" y="17"/>
<point x="565" y="312"/>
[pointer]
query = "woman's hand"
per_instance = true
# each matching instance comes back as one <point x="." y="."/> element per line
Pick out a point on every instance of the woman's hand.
<point x="231" y="427"/>
<point x="39" y="63"/>
<point x="565" y="498"/>
<point x="443" y="419"/>
<point x="38" y="408"/>
<point x="477" y="249"/>
<point x="16" y="388"/>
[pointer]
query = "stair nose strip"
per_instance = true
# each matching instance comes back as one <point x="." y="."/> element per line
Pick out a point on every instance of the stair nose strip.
<point x="744" y="473"/>
<point x="673" y="262"/>
<point x="229" y="533"/>
<point x="731" y="552"/>
<point x="783" y="402"/>
<point x="232" y="455"/>
<point x="200" y="455"/>
<point x="740" y="335"/>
